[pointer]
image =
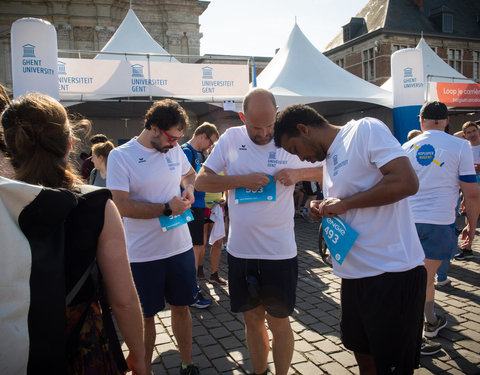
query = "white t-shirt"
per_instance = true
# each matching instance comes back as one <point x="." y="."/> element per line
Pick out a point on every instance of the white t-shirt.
<point x="476" y="153"/>
<point x="258" y="230"/>
<point x="388" y="240"/>
<point x="149" y="176"/>
<point x="439" y="160"/>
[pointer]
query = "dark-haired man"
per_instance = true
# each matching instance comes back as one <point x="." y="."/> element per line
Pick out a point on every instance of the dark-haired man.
<point x="262" y="254"/>
<point x="444" y="164"/>
<point x="366" y="177"/>
<point x="145" y="175"/>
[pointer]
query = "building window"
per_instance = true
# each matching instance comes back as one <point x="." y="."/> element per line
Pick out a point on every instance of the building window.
<point x="476" y="65"/>
<point x="368" y="61"/>
<point x="455" y="59"/>
<point x="340" y="63"/>
<point x="397" y="47"/>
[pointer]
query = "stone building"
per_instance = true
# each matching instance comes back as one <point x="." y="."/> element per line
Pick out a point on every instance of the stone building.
<point x="450" y="27"/>
<point x="89" y="24"/>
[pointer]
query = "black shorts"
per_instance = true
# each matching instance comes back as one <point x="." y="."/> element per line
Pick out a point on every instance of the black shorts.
<point x="383" y="316"/>
<point x="196" y="225"/>
<point x="271" y="283"/>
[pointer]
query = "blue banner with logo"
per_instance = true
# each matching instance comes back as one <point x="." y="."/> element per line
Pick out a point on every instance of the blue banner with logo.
<point x="173" y="221"/>
<point x="338" y="236"/>
<point x="265" y="193"/>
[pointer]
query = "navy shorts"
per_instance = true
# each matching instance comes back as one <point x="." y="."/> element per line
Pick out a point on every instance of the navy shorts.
<point x="172" y="279"/>
<point x="438" y="241"/>
<point x="196" y="225"/>
<point x="271" y="283"/>
<point x="383" y="316"/>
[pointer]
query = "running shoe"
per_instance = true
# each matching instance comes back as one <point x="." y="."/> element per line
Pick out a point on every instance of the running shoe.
<point x="217" y="280"/>
<point x="464" y="254"/>
<point x="191" y="369"/>
<point x="200" y="302"/>
<point x="431" y="330"/>
<point x="445" y="282"/>
<point x="430" y="347"/>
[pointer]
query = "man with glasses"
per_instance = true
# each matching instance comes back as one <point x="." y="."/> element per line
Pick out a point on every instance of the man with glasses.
<point x="145" y="176"/>
<point x="203" y="138"/>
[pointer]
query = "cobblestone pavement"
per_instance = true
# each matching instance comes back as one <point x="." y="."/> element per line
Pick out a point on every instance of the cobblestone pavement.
<point x="219" y="345"/>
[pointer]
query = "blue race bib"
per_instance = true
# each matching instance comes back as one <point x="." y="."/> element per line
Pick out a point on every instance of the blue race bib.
<point x="265" y="193"/>
<point x="173" y="221"/>
<point x="338" y="236"/>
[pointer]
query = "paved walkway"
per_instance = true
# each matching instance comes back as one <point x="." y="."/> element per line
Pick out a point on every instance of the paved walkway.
<point x="219" y="345"/>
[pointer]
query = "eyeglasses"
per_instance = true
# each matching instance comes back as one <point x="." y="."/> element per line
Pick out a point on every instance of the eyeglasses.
<point x="170" y="138"/>
<point x="210" y="139"/>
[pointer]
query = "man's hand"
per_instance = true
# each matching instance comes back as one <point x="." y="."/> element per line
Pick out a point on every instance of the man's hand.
<point x="136" y="365"/>
<point x="477" y="167"/>
<point x="255" y="181"/>
<point x="179" y="205"/>
<point x="287" y="177"/>
<point x="188" y="193"/>
<point x="326" y="208"/>
<point x="468" y="234"/>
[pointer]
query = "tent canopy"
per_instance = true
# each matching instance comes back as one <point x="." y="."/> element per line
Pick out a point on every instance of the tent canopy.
<point x="300" y="73"/>
<point x="434" y="66"/>
<point x="132" y="37"/>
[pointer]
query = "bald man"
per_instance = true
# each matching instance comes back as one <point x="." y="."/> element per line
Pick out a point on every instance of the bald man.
<point x="262" y="254"/>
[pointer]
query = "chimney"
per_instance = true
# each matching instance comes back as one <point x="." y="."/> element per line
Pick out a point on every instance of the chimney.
<point x="420" y="5"/>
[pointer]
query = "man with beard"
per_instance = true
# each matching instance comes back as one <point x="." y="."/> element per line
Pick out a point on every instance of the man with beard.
<point x="366" y="177"/>
<point x="145" y="175"/>
<point x="262" y="254"/>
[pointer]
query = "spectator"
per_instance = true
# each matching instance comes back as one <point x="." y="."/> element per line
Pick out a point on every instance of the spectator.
<point x="87" y="164"/>
<point x="100" y="151"/>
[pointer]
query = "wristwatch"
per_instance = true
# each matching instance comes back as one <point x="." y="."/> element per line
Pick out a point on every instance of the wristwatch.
<point x="167" y="211"/>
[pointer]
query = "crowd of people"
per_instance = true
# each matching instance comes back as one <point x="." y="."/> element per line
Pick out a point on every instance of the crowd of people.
<point x="128" y="230"/>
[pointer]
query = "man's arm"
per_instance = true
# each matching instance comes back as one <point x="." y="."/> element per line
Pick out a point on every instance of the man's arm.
<point x="471" y="195"/>
<point x="399" y="181"/>
<point x="208" y="180"/>
<point x="290" y="176"/>
<point x="187" y="183"/>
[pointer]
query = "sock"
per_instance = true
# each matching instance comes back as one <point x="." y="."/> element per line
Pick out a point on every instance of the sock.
<point x="429" y="313"/>
<point x="264" y="373"/>
<point x="213" y="274"/>
<point x="185" y="366"/>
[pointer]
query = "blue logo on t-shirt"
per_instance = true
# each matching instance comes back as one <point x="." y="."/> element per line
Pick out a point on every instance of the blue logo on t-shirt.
<point x="426" y="155"/>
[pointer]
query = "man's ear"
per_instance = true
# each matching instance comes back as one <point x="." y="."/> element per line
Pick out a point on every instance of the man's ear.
<point x="242" y="116"/>
<point x="303" y="129"/>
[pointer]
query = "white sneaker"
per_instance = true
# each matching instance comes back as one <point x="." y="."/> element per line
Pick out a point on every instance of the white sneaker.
<point x="447" y="281"/>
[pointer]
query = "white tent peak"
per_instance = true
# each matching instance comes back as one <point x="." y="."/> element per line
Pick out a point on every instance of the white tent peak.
<point x="433" y="65"/>
<point x="132" y="37"/>
<point x="301" y="71"/>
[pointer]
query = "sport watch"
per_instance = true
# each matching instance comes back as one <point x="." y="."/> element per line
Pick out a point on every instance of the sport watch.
<point x="167" y="211"/>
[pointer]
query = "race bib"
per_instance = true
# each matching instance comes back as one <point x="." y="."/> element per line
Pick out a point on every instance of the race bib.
<point x="338" y="236"/>
<point x="265" y="193"/>
<point x="173" y="221"/>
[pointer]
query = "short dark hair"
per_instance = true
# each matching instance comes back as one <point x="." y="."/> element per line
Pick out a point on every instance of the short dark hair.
<point x="469" y="124"/>
<point x="164" y="114"/>
<point x="287" y="120"/>
<point x="98" y="138"/>
<point x="208" y="129"/>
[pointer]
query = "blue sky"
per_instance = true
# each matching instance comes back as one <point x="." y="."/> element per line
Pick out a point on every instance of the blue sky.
<point x="258" y="27"/>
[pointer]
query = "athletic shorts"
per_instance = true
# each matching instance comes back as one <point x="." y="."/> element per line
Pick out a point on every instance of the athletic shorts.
<point x="437" y="241"/>
<point x="196" y="225"/>
<point x="172" y="279"/>
<point x="383" y="316"/>
<point x="271" y="283"/>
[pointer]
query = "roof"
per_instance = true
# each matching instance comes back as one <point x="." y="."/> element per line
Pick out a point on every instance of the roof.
<point x="300" y="73"/>
<point x="406" y="16"/>
<point x="132" y="37"/>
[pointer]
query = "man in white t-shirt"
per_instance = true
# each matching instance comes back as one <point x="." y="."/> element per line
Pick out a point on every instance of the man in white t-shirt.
<point x="366" y="177"/>
<point x="145" y="175"/>
<point x="262" y="254"/>
<point x="443" y="164"/>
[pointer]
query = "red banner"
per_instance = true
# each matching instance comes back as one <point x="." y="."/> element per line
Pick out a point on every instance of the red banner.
<point x="456" y="94"/>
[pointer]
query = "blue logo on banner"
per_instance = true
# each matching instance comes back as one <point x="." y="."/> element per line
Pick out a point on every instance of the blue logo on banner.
<point x="28" y="50"/>
<point x="173" y="221"/>
<point x="407" y="73"/>
<point x="265" y="193"/>
<point x="338" y="236"/>
<point x="207" y="72"/>
<point x="61" y="67"/>
<point x="137" y="70"/>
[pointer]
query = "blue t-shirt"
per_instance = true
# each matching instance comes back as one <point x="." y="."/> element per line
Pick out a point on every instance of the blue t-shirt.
<point x="196" y="159"/>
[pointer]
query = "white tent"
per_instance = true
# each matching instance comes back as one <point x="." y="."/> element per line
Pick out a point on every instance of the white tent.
<point x="434" y="66"/>
<point x="132" y="37"/>
<point x="300" y="73"/>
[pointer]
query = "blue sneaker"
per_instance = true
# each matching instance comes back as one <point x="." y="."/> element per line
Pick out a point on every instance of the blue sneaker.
<point x="200" y="302"/>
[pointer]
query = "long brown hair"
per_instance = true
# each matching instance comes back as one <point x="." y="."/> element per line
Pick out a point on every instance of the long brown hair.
<point x="38" y="137"/>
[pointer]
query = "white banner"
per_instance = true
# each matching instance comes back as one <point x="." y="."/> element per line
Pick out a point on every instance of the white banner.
<point x="407" y="77"/>
<point x="139" y="78"/>
<point x="34" y="57"/>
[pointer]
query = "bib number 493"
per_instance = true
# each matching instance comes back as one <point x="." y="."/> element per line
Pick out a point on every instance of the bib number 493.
<point x="331" y="234"/>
